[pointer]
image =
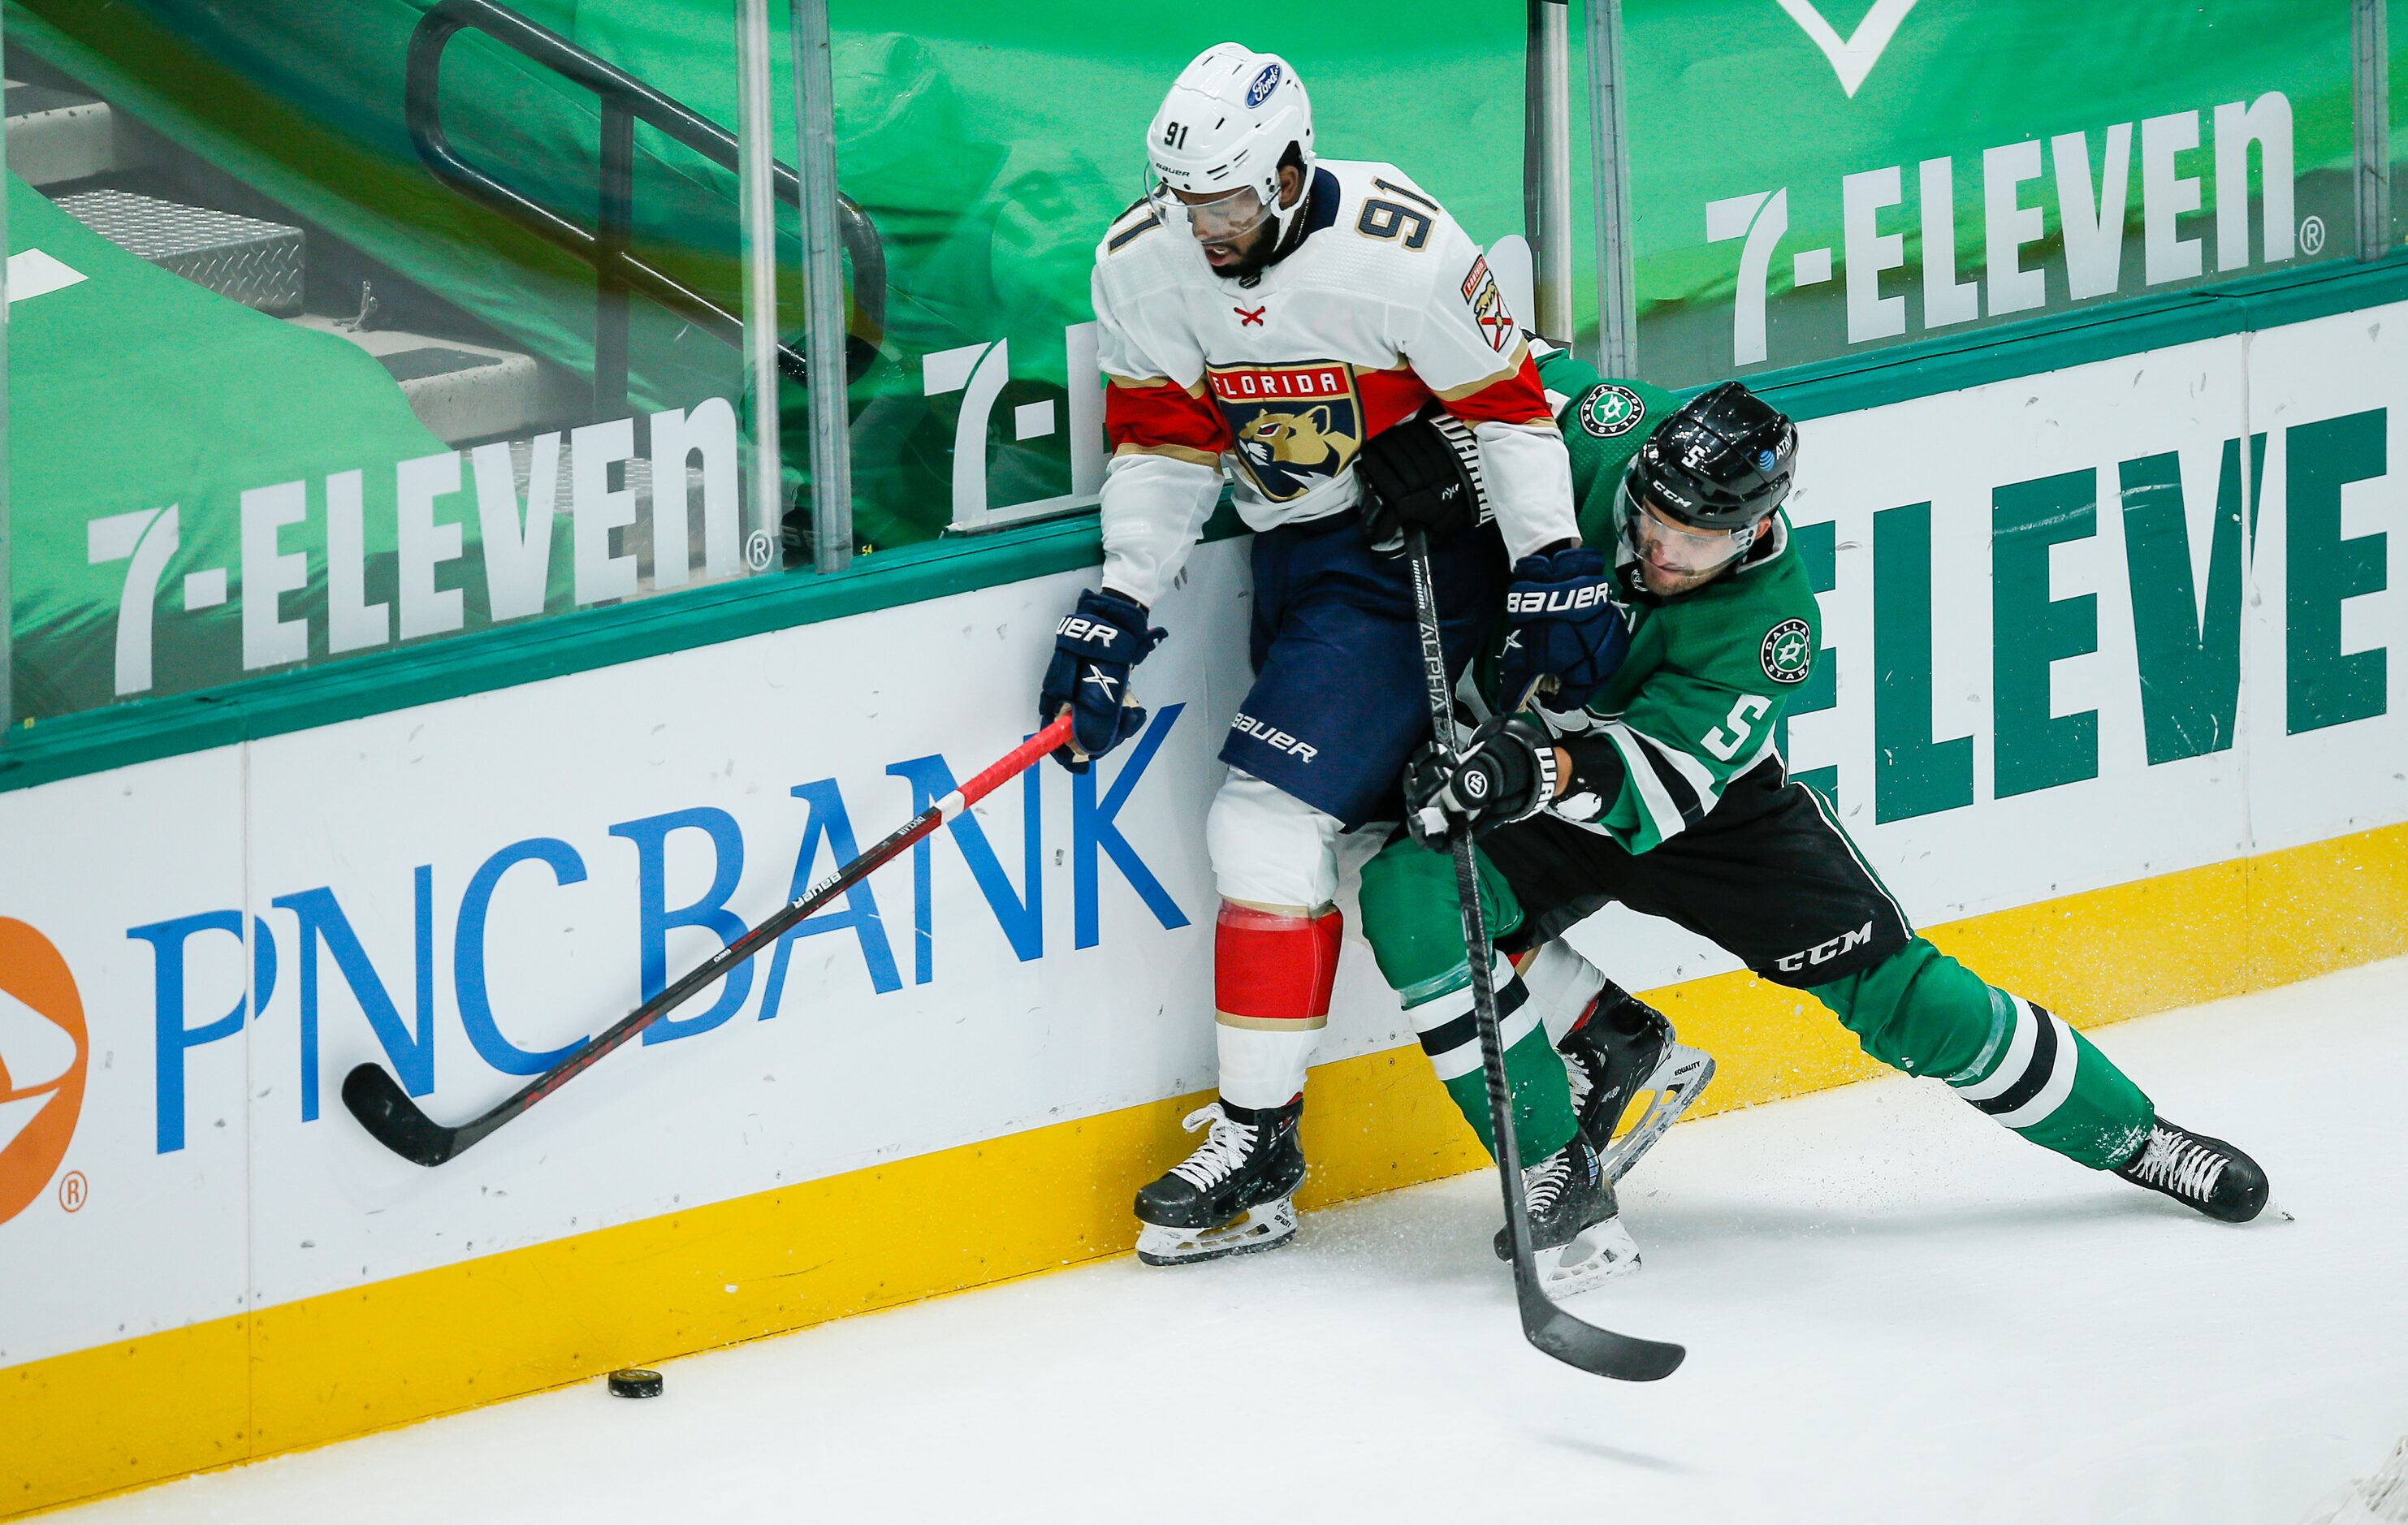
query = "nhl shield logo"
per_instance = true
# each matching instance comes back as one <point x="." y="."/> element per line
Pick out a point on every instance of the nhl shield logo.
<point x="1295" y="426"/>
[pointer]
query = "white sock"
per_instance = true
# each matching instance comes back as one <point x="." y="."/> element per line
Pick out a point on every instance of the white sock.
<point x="1561" y="984"/>
<point x="1263" y="1067"/>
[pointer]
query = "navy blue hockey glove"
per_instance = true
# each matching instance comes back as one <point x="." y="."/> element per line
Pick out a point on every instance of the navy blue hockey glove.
<point x="1094" y="649"/>
<point x="1561" y="623"/>
<point x="1507" y="773"/>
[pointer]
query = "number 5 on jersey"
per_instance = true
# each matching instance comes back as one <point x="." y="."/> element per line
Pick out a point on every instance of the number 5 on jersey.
<point x="1743" y="714"/>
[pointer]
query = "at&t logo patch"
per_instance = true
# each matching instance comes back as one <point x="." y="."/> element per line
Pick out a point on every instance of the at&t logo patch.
<point x="44" y="1048"/>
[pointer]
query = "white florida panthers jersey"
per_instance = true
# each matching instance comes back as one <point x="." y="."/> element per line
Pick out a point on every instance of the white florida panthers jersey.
<point x="1385" y="303"/>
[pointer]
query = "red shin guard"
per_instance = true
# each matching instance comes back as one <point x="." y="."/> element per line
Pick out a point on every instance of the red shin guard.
<point x="1273" y="967"/>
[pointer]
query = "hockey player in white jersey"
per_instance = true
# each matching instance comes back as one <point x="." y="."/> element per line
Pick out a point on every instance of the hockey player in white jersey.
<point x="1298" y="323"/>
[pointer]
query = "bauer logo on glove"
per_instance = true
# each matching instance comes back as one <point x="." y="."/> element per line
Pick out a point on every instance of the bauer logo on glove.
<point x="1563" y="624"/>
<point x="1094" y="649"/>
<point x="1559" y="600"/>
<point x="1083" y="629"/>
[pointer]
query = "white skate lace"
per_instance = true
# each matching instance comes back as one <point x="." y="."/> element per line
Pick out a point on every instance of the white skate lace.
<point x="1221" y="1152"/>
<point x="1543" y="1183"/>
<point x="2180" y="1164"/>
<point x="1577" y="1073"/>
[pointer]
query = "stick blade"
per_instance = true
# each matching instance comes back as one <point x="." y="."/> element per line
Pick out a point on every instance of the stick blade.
<point x="371" y="1094"/>
<point x="1601" y="1352"/>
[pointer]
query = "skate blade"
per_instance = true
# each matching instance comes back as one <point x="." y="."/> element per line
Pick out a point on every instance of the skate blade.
<point x="1678" y="1080"/>
<point x="1601" y="1252"/>
<point x="1265" y="1227"/>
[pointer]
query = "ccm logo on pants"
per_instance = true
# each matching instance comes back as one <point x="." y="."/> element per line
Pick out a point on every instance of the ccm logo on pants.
<point x="1276" y="739"/>
<point x="1826" y="953"/>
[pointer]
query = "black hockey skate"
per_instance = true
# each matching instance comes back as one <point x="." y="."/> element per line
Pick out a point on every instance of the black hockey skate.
<point x="1621" y="1049"/>
<point x="1576" y="1231"/>
<point x="1234" y="1195"/>
<point x="2199" y="1172"/>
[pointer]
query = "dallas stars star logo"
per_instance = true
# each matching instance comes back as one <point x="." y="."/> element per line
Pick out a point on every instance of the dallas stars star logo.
<point x="1609" y="411"/>
<point x="1787" y="653"/>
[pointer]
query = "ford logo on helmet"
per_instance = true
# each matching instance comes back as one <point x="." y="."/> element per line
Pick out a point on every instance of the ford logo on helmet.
<point x="1265" y="82"/>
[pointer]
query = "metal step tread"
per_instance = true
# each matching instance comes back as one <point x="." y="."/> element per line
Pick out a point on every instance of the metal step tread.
<point x="254" y="262"/>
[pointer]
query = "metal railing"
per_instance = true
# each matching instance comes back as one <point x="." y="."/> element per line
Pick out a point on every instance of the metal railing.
<point x="2370" y="109"/>
<point x="618" y="271"/>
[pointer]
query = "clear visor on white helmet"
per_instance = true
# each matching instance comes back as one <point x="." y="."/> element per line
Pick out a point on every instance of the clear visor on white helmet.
<point x="1674" y="549"/>
<point x="1224" y="219"/>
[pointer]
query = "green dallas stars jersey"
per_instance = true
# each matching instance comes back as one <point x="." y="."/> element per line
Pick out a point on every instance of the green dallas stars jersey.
<point x="1697" y="702"/>
<point x="1694" y="708"/>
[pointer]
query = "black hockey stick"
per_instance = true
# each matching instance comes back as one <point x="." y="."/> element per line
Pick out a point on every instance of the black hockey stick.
<point x="394" y="1120"/>
<point x="1567" y="1339"/>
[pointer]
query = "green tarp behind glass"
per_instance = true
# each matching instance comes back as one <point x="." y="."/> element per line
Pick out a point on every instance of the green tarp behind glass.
<point x="991" y="144"/>
<point x="990" y="147"/>
<point x="134" y="390"/>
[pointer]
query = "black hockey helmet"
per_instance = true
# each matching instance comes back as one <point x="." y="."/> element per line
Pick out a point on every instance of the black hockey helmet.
<point x="1722" y="460"/>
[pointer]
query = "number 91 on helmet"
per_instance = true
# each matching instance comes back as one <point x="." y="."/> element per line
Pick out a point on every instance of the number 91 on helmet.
<point x="1216" y="145"/>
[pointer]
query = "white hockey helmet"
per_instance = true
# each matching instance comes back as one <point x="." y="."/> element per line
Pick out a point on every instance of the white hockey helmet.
<point x="1221" y="134"/>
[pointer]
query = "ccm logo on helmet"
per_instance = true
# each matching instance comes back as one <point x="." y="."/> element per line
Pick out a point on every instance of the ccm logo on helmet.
<point x="1082" y="629"/>
<point x="1559" y="602"/>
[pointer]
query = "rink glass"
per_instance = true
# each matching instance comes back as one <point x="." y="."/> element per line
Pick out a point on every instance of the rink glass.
<point x="286" y="396"/>
<point x="215" y="484"/>
<point x="2397" y="26"/>
<point x="1745" y="136"/>
<point x="995" y="145"/>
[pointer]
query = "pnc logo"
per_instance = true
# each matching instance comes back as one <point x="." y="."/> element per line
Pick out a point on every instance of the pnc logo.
<point x="43" y="1051"/>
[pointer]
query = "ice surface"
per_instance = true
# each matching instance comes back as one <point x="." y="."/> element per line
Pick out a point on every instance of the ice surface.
<point x="1896" y="1311"/>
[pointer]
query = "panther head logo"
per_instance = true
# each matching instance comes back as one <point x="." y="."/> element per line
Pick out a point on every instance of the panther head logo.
<point x="1308" y="439"/>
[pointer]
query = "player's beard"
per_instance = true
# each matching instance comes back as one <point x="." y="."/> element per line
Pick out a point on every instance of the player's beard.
<point x="1663" y="582"/>
<point x="1255" y="251"/>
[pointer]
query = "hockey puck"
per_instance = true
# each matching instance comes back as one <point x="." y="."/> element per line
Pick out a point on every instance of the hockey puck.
<point x="635" y="1382"/>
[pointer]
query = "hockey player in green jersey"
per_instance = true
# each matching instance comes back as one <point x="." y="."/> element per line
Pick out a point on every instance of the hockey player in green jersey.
<point x="1665" y="792"/>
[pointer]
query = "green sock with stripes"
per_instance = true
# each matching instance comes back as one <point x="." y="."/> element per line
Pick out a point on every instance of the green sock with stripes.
<point x="1415" y="929"/>
<point x="1543" y="1119"/>
<point x="2026" y="1068"/>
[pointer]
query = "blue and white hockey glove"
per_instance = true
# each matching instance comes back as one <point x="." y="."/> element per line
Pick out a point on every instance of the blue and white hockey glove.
<point x="1094" y="649"/>
<point x="1561" y="623"/>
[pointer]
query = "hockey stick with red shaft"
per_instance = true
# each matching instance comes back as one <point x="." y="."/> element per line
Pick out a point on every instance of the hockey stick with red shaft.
<point x="1600" y="1351"/>
<point x="394" y="1120"/>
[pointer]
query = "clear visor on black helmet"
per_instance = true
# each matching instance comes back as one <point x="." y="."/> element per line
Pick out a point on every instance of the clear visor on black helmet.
<point x="1224" y="219"/>
<point x="1672" y="548"/>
